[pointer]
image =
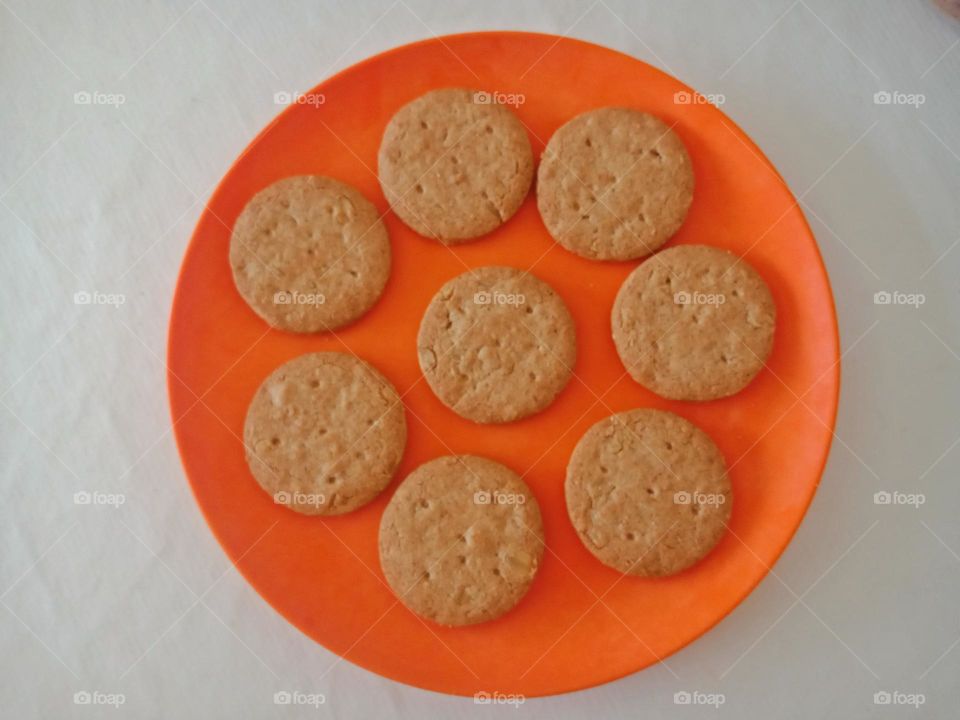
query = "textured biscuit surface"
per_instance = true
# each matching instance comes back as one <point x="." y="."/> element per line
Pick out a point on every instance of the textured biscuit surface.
<point x="461" y="540"/>
<point x="496" y="344"/>
<point x="647" y="492"/>
<point x="324" y="433"/>
<point x="614" y="184"/>
<point x="454" y="167"/>
<point x="309" y="254"/>
<point x="694" y="323"/>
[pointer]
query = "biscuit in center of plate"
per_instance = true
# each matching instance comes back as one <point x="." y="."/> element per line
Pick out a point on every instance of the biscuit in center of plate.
<point x="694" y="323"/>
<point x="461" y="540"/>
<point x="614" y="184"/>
<point x="496" y="344"/>
<point x="647" y="492"/>
<point x="324" y="433"/>
<point x="455" y="164"/>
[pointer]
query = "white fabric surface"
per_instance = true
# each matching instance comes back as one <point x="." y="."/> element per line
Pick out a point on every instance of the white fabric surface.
<point x="139" y="599"/>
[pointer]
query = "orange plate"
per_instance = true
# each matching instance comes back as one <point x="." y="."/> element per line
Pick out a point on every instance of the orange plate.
<point x="582" y="623"/>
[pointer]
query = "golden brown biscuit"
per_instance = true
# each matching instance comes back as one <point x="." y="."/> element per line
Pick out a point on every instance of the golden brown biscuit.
<point x="694" y="323"/>
<point x="461" y="540"/>
<point x="454" y="165"/>
<point x="614" y="184"/>
<point x="647" y="492"/>
<point x="324" y="433"/>
<point x="309" y="254"/>
<point x="496" y="344"/>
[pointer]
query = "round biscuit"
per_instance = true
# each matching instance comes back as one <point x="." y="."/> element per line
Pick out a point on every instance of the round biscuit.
<point x="496" y="344"/>
<point x="461" y="540"/>
<point x="647" y="492"/>
<point x="614" y="184"/>
<point x="309" y="254"/>
<point x="694" y="323"/>
<point x="324" y="433"/>
<point x="454" y="165"/>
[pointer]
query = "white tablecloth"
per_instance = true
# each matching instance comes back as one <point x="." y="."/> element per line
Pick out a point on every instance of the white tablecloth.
<point x="118" y="118"/>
